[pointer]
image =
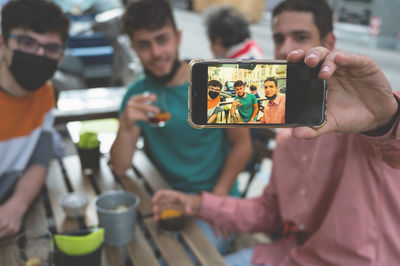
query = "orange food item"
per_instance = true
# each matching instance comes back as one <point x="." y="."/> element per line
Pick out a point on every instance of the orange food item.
<point x="170" y="213"/>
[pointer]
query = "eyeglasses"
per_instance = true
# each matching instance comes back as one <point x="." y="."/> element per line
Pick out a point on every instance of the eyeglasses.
<point x="30" y="45"/>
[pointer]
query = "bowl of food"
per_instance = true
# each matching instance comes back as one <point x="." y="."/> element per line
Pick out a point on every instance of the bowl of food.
<point x="74" y="204"/>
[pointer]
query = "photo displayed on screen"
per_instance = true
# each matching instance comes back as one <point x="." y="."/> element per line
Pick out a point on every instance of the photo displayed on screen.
<point x="240" y="93"/>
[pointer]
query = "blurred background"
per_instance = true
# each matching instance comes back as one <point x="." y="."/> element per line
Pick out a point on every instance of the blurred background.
<point x="99" y="55"/>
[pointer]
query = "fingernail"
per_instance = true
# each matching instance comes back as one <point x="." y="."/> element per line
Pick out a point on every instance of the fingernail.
<point x="146" y="94"/>
<point x="325" y="69"/>
<point x="294" y="52"/>
<point x="310" y="56"/>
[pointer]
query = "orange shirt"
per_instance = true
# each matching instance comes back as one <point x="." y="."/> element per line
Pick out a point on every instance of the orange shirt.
<point x="213" y="103"/>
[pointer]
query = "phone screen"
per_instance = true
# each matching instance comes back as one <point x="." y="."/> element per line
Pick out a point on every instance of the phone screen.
<point x="271" y="93"/>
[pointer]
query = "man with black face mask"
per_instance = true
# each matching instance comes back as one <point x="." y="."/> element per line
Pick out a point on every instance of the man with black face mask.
<point x="190" y="160"/>
<point x="274" y="110"/>
<point x="213" y="100"/>
<point x="31" y="47"/>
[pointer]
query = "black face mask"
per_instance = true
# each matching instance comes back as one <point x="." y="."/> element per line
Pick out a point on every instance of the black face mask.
<point x="272" y="97"/>
<point x="32" y="71"/>
<point x="213" y="94"/>
<point x="166" y="78"/>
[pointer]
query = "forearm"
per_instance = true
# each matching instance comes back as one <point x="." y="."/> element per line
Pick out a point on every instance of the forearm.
<point x="232" y="111"/>
<point x="212" y="118"/>
<point x="234" y="163"/>
<point x="122" y="150"/>
<point x="28" y="187"/>
<point x="254" y="113"/>
<point x="245" y="215"/>
<point x="387" y="140"/>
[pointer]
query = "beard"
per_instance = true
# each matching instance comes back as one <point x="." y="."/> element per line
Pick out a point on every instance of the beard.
<point x="164" y="79"/>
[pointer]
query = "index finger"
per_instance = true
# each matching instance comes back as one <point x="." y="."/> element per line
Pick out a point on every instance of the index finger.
<point x="144" y="97"/>
<point x="159" y="195"/>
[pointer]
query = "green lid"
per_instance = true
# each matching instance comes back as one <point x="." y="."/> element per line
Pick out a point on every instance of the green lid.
<point x="80" y="244"/>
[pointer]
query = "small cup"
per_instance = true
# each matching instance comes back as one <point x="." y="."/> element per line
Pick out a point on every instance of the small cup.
<point x="117" y="215"/>
<point x="89" y="158"/>
<point x="74" y="204"/>
<point x="161" y="119"/>
<point x="35" y="248"/>
<point x="171" y="218"/>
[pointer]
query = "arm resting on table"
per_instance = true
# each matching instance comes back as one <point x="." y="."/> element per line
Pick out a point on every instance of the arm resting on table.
<point x="260" y="214"/>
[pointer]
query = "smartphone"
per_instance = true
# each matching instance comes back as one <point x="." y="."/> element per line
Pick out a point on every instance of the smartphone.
<point x="255" y="93"/>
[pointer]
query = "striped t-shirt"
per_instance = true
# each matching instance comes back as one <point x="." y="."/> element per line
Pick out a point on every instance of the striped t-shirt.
<point x="23" y="121"/>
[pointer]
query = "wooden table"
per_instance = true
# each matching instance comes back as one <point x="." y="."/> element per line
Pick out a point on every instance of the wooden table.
<point x="66" y="176"/>
<point x="88" y="104"/>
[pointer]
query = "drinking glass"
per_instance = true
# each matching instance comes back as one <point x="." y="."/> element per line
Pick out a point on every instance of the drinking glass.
<point x="171" y="217"/>
<point x="34" y="248"/>
<point x="162" y="118"/>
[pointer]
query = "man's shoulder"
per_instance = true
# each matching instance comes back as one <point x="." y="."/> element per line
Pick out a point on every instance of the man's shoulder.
<point x="252" y="97"/>
<point x="138" y="85"/>
<point x="281" y="97"/>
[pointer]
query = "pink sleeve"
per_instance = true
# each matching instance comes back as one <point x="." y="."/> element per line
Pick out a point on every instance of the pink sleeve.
<point x="245" y="215"/>
<point x="388" y="145"/>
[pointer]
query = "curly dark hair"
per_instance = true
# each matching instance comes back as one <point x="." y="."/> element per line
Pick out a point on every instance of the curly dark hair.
<point x="228" y="24"/>
<point x="238" y="83"/>
<point x="40" y="16"/>
<point x="214" y="83"/>
<point x="253" y="88"/>
<point x="322" y="13"/>
<point x="148" y="15"/>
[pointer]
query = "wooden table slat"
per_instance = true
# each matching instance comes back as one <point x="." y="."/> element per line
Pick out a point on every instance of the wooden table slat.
<point x="36" y="218"/>
<point x="111" y="256"/>
<point x="170" y="248"/>
<point x="8" y="252"/>
<point x="201" y="246"/>
<point x="81" y="183"/>
<point x="140" y="251"/>
<point x="149" y="172"/>
<point x="106" y="180"/>
<point x="56" y="189"/>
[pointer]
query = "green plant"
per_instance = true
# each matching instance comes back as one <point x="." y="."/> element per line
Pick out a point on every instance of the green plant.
<point x="88" y="140"/>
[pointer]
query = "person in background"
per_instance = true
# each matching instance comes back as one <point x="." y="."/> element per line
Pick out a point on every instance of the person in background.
<point x="213" y="100"/>
<point x="229" y="34"/>
<point x="190" y="160"/>
<point x="32" y="43"/>
<point x="245" y="103"/>
<point x="274" y="110"/>
<point x="253" y="90"/>
<point x="333" y="190"/>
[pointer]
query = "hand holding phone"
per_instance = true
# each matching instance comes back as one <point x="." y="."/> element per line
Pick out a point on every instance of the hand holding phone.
<point x="255" y="93"/>
<point x="360" y="97"/>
